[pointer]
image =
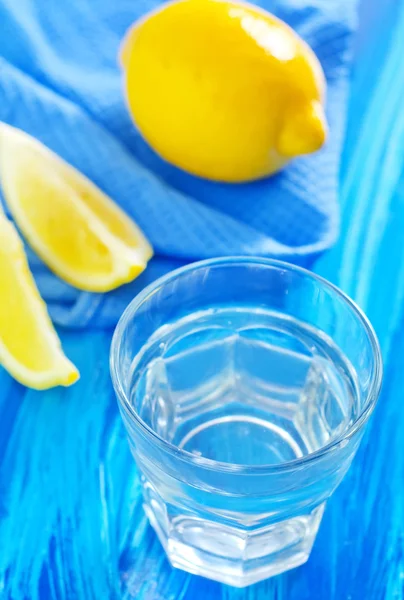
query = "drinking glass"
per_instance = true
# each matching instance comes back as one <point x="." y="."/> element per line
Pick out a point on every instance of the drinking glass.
<point x="244" y="385"/>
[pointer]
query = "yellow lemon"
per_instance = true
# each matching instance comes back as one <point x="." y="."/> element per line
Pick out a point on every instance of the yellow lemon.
<point x="78" y="231"/>
<point x="29" y="346"/>
<point x="222" y="89"/>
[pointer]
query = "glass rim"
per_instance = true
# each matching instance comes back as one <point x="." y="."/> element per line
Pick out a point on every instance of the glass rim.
<point x="208" y="463"/>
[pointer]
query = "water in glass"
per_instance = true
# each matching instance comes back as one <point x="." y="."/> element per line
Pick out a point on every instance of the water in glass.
<point x="243" y="387"/>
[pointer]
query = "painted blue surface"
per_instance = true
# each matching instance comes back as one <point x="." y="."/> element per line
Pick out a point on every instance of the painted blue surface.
<point x="71" y="522"/>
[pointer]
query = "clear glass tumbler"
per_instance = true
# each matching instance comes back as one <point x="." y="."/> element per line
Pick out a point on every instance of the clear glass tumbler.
<point x="244" y="385"/>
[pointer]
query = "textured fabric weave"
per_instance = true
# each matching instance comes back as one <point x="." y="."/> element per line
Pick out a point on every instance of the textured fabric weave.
<point x="60" y="81"/>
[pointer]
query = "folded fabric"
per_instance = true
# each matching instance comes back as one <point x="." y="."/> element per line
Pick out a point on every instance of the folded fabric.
<point x="60" y="82"/>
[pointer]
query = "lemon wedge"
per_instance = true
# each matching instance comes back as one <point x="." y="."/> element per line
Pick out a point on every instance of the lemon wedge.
<point x="77" y="230"/>
<point x="30" y="349"/>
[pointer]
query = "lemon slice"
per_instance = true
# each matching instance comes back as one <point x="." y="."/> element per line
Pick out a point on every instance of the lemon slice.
<point x="77" y="230"/>
<point x="29" y="346"/>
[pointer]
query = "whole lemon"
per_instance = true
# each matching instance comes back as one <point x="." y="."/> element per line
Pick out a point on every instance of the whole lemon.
<point x="222" y="89"/>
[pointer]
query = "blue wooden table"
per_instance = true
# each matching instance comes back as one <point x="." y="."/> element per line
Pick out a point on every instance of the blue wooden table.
<point x="71" y="521"/>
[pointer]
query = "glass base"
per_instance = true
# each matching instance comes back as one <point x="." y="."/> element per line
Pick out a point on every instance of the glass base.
<point x="237" y="557"/>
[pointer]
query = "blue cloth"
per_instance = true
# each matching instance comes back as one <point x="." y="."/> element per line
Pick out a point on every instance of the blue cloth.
<point x="60" y="81"/>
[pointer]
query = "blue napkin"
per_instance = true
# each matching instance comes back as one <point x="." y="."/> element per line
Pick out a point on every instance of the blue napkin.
<point x="60" y="81"/>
